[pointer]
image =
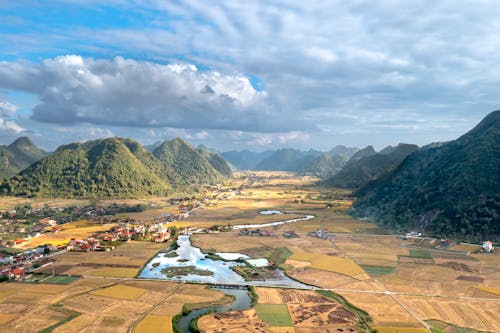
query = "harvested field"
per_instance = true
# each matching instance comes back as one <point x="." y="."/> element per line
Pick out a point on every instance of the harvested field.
<point x="331" y="263"/>
<point x="6" y="317"/>
<point x="490" y="290"/>
<point x="154" y="324"/>
<point x="478" y="314"/>
<point x="120" y="292"/>
<point x="115" y="272"/>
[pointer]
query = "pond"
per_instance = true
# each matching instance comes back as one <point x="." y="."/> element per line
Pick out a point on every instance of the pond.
<point x="271" y="212"/>
<point x="185" y="264"/>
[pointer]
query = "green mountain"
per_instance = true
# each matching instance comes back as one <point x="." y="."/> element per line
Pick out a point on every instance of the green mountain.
<point x="216" y="161"/>
<point x="287" y="159"/>
<point x="365" y="152"/>
<point x="17" y="156"/>
<point x="327" y="164"/>
<point x="450" y="190"/>
<point x="324" y="166"/>
<point x="94" y="169"/>
<point x="187" y="167"/>
<point x="364" y="167"/>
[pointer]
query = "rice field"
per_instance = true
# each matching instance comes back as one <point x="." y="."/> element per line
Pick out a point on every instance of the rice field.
<point x="154" y="324"/>
<point x="118" y="272"/>
<point x="330" y="263"/>
<point x="123" y="292"/>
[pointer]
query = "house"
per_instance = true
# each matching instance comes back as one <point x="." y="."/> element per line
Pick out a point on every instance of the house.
<point x="487" y="247"/>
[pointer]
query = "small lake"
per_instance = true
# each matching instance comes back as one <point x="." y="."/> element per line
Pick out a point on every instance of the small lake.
<point x="193" y="266"/>
<point x="185" y="256"/>
<point x="271" y="212"/>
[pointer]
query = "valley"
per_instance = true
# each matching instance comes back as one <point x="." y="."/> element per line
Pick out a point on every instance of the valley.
<point x="355" y="275"/>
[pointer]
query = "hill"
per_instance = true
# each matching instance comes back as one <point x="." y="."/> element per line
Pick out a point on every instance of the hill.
<point x="216" y="161"/>
<point x="450" y="190"/>
<point x="95" y="169"/>
<point x="246" y="159"/>
<point x="324" y="166"/>
<point x="190" y="168"/>
<point x="287" y="159"/>
<point x="17" y="156"/>
<point x="365" y="167"/>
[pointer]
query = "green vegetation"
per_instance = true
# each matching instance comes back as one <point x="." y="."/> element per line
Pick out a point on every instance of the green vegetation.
<point x="449" y="189"/>
<point x="254" y="298"/>
<point x="185" y="270"/>
<point x="216" y="161"/>
<point x="323" y="166"/>
<point x="95" y="169"/>
<point x="438" y="326"/>
<point x="365" y="320"/>
<point x="274" y="314"/>
<point x="17" y="156"/>
<point x="191" y="169"/>
<point x="61" y="279"/>
<point x="378" y="270"/>
<point x="419" y="254"/>
<point x="365" y="167"/>
<point x="287" y="159"/>
<point x="116" y="168"/>
<point x="70" y="316"/>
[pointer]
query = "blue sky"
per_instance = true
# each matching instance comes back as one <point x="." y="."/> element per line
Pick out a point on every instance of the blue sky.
<point x="247" y="75"/>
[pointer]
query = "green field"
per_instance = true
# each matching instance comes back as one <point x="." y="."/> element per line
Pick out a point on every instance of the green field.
<point x="442" y="327"/>
<point x="378" y="270"/>
<point x="61" y="279"/>
<point x="274" y="314"/>
<point x="420" y="254"/>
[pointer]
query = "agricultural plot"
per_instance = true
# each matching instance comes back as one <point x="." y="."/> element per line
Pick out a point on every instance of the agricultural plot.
<point x="331" y="263"/>
<point x="378" y="270"/>
<point x="154" y="324"/>
<point x="274" y="314"/>
<point x="60" y="279"/>
<point x="120" y="292"/>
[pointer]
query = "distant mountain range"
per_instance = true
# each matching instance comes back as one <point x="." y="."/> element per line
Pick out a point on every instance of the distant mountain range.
<point x="17" y="156"/>
<point x="310" y="162"/>
<point x="450" y="189"/>
<point x="367" y="165"/>
<point x="116" y="168"/>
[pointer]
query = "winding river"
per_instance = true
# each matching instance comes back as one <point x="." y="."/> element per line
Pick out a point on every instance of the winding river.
<point x="241" y="302"/>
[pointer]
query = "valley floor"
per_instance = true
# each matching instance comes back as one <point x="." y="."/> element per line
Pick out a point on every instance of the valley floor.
<point x="404" y="285"/>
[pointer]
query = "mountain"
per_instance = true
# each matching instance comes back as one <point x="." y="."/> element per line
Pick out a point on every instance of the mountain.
<point x="324" y="166"/>
<point x="18" y="155"/>
<point x="327" y="164"/>
<point x="245" y="159"/>
<point x="450" y="190"/>
<point x="216" y="161"/>
<point x="365" y="152"/>
<point x="191" y="167"/>
<point x="347" y="152"/>
<point x="364" y="166"/>
<point x="287" y="159"/>
<point x="105" y="168"/>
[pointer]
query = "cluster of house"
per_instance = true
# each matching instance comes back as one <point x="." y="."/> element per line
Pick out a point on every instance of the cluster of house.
<point x="320" y="233"/>
<point x="256" y="232"/>
<point x="16" y="266"/>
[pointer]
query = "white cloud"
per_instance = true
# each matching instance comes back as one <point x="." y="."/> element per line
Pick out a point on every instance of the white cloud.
<point x="10" y="126"/>
<point x="125" y="92"/>
<point x="7" y="109"/>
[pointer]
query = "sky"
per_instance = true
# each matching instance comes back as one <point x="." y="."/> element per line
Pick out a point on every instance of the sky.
<point x="248" y="74"/>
